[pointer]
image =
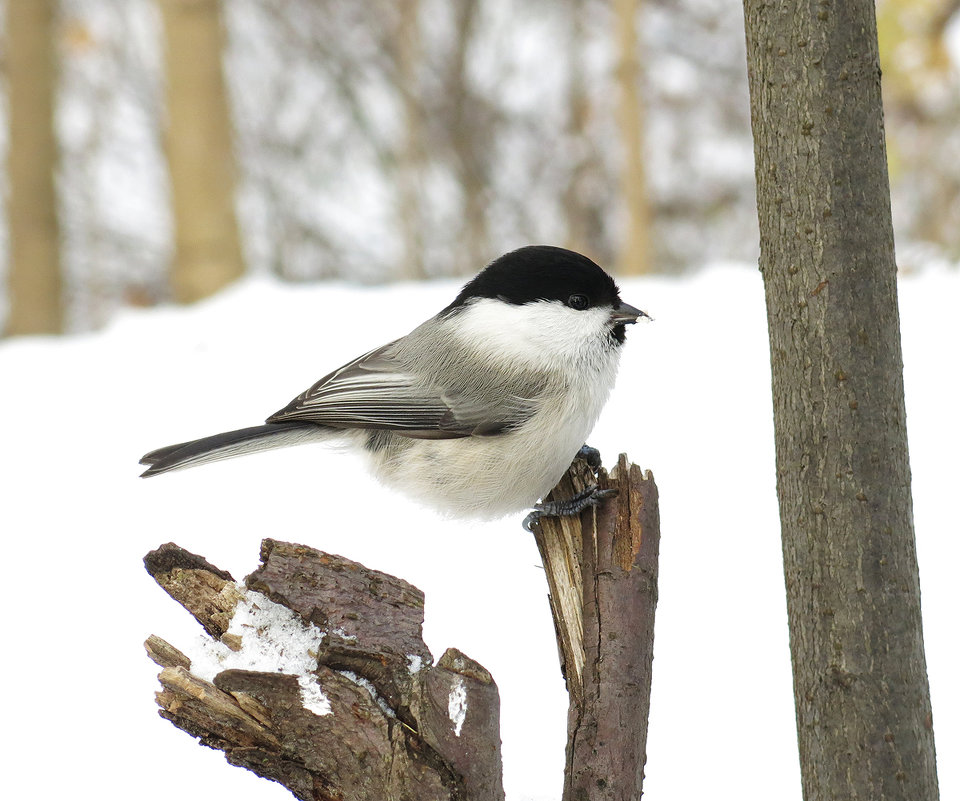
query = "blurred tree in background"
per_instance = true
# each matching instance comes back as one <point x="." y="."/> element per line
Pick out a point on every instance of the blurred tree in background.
<point x="921" y="95"/>
<point x="34" y="255"/>
<point x="199" y="150"/>
<point x="399" y="139"/>
<point x="634" y="252"/>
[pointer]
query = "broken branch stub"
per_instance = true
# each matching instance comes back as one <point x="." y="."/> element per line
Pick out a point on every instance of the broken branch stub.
<point x="602" y="569"/>
<point x="364" y="714"/>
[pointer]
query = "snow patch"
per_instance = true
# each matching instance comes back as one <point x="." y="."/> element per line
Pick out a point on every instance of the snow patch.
<point x="457" y="705"/>
<point x="273" y="640"/>
<point x="343" y="634"/>
<point x="312" y="697"/>
<point x="414" y="663"/>
<point x="368" y="686"/>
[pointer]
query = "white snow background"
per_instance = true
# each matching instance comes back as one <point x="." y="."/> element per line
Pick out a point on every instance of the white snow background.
<point x="692" y="404"/>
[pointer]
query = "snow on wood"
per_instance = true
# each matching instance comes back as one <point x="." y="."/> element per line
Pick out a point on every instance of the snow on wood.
<point x="319" y="679"/>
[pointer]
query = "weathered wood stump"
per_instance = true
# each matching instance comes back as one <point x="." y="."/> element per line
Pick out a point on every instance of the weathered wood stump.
<point x="602" y="573"/>
<point x="364" y="715"/>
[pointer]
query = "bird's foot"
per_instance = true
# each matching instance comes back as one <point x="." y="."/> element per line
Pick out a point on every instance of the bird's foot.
<point x="571" y="507"/>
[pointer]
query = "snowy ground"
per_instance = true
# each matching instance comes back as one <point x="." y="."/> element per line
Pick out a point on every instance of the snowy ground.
<point x="692" y="404"/>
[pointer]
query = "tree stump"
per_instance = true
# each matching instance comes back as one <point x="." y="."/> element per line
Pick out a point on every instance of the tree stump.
<point x="602" y="570"/>
<point x="353" y="707"/>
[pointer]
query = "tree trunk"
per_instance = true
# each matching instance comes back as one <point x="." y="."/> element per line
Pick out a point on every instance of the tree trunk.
<point x="199" y="151"/>
<point x="469" y="133"/>
<point x="579" y="208"/>
<point x="634" y="257"/>
<point x="843" y="477"/>
<point x="412" y="155"/>
<point x="36" y="304"/>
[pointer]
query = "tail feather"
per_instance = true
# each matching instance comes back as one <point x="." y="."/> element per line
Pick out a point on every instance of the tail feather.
<point x="230" y="444"/>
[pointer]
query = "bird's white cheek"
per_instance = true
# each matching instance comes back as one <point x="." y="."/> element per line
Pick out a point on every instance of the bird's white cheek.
<point x="534" y="333"/>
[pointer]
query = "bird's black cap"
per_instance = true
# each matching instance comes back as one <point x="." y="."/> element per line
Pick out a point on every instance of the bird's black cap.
<point x="540" y="272"/>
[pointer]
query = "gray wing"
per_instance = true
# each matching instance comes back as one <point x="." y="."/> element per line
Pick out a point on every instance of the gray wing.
<point x="376" y="391"/>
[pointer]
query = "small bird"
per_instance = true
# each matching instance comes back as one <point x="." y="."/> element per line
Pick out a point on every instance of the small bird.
<point x="479" y="411"/>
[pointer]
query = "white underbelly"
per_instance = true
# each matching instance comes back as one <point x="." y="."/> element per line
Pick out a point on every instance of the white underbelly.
<point x="489" y="477"/>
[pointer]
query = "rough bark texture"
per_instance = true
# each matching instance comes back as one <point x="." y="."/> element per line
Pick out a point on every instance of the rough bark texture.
<point x="424" y="732"/>
<point x="843" y="476"/>
<point x="602" y="573"/>
<point x="199" y="150"/>
<point x="31" y="71"/>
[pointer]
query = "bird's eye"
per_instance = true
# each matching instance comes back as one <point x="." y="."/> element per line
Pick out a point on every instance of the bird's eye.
<point x="578" y="302"/>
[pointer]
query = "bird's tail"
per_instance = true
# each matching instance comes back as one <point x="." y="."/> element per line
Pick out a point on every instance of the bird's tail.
<point x="230" y="444"/>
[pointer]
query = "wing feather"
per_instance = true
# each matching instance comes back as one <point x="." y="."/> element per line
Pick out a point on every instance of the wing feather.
<point x="377" y="391"/>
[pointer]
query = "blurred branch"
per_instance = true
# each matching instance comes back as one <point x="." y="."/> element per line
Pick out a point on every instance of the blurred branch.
<point x="941" y="18"/>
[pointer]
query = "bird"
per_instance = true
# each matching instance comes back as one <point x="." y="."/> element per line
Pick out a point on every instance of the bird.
<point x="477" y="412"/>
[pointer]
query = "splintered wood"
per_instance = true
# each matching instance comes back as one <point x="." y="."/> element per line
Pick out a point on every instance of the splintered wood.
<point x="602" y="574"/>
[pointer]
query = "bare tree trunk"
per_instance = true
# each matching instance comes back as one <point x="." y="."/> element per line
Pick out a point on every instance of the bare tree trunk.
<point x="468" y="133"/>
<point x="412" y="153"/>
<point x="602" y="572"/>
<point x="36" y="303"/>
<point x="843" y="476"/>
<point x="634" y="257"/>
<point x="579" y="222"/>
<point x="199" y="150"/>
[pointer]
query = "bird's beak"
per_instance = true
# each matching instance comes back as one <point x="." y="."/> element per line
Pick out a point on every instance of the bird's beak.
<point x="625" y="313"/>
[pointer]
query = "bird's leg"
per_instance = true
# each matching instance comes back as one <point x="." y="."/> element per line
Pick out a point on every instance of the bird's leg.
<point x="571" y="507"/>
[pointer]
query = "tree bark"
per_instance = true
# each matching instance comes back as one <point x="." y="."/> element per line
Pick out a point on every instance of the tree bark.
<point x="602" y="572"/>
<point x="843" y="477"/>
<point x="199" y="151"/>
<point x="395" y="725"/>
<point x="36" y="305"/>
